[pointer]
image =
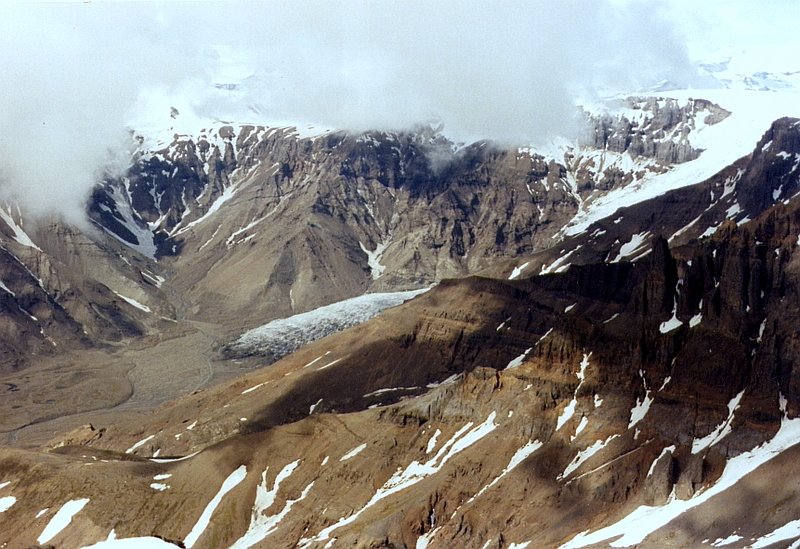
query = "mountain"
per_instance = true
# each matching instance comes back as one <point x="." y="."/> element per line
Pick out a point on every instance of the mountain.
<point x="370" y="212"/>
<point x="272" y="337"/>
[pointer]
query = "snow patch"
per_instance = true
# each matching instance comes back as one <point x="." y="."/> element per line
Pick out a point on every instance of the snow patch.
<point x="354" y="452"/>
<point x="20" y="236"/>
<point x="61" y="519"/>
<point x="519" y="360"/>
<point x="134" y="543"/>
<point x="229" y="484"/>
<point x="432" y="442"/>
<point x="374" y="259"/>
<point x="559" y="265"/>
<point x="314" y="406"/>
<point x="135" y="303"/>
<point x="673" y="323"/>
<point x="584" y="455"/>
<point x="139" y="444"/>
<point x="640" y="409"/>
<point x="261" y="524"/>
<point x="722" y="542"/>
<point x="251" y="389"/>
<point x="6" y="502"/>
<point x="581" y="426"/>
<point x="790" y="530"/>
<point x="519" y="456"/>
<point x="569" y="410"/>
<point x="721" y="431"/>
<point x="665" y="451"/>
<point x="518" y="270"/>
<point x="629" y="248"/>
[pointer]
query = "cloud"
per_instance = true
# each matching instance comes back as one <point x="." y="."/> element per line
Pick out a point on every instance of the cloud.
<point x="74" y="75"/>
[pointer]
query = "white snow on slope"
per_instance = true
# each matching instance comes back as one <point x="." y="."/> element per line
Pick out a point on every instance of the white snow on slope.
<point x="374" y="259"/>
<point x="414" y="473"/>
<point x="20" y="236"/>
<point x="629" y="248"/>
<point x="8" y="291"/>
<point x="432" y="442"/>
<point x="665" y="451"/>
<point x="581" y="426"/>
<point x="519" y="456"/>
<point x="389" y="390"/>
<point x="172" y="460"/>
<point x="722" y="144"/>
<point x="584" y="455"/>
<point x="569" y="410"/>
<point x="284" y="336"/>
<point x="722" y="542"/>
<point x="229" y="484"/>
<point x="133" y="543"/>
<point x="518" y="270"/>
<point x="146" y="246"/>
<point x="354" y="452"/>
<point x="673" y="322"/>
<point x="6" y="502"/>
<point x="261" y="524"/>
<point x="425" y="539"/>
<point x="721" y="431"/>
<point x="61" y="519"/>
<point x="641" y="408"/>
<point x="559" y="265"/>
<point x="519" y="360"/>
<point x="226" y="195"/>
<point x="140" y="443"/>
<point x="134" y="303"/>
<point x="645" y="520"/>
<point x="790" y="530"/>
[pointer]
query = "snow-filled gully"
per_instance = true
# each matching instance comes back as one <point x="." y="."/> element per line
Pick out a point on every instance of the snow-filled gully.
<point x="415" y="472"/>
<point x="644" y="520"/>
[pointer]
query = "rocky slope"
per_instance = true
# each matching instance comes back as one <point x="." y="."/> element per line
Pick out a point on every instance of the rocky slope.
<point x="573" y="403"/>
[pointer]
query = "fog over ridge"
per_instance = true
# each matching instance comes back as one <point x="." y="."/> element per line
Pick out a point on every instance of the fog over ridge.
<point x="77" y="75"/>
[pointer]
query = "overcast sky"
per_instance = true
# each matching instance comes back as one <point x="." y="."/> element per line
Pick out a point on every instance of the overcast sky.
<point x="75" y="75"/>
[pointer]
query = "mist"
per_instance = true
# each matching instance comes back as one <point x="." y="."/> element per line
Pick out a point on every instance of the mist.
<point x="77" y="76"/>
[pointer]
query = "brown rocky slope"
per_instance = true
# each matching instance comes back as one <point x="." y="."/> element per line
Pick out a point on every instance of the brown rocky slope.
<point x="578" y="396"/>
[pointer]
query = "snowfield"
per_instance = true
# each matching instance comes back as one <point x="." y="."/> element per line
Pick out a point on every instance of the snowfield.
<point x="752" y="113"/>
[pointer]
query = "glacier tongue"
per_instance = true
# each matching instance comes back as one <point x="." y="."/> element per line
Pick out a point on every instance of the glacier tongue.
<point x="281" y="337"/>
